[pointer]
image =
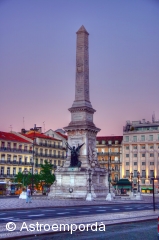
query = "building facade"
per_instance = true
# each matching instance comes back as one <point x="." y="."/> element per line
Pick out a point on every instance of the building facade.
<point x="46" y="148"/>
<point x="141" y="153"/>
<point x="109" y="148"/>
<point x="16" y="155"/>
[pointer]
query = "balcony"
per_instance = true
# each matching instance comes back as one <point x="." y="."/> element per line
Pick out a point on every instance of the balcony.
<point x="49" y="155"/>
<point x="17" y="150"/>
<point x="50" y="145"/>
<point x="108" y="154"/>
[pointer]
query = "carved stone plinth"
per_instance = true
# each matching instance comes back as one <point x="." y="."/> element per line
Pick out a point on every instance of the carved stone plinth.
<point x="73" y="183"/>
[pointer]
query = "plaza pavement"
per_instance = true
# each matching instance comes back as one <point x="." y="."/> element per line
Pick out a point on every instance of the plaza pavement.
<point x="107" y="219"/>
<point x="39" y="202"/>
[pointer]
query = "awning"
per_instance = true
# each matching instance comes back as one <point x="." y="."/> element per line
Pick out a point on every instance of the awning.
<point x="146" y="188"/>
<point x="124" y="187"/>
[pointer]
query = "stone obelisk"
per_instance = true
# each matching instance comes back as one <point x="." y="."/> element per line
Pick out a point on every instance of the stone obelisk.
<point x="74" y="182"/>
<point x="81" y="128"/>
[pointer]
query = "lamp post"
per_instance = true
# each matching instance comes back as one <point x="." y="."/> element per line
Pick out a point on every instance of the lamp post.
<point x="32" y="180"/>
<point x="25" y="172"/>
<point x="89" y="172"/>
<point x="89" y="195"/>
<point x="109" y="162"/>
<point x="131" y="177"/>
<point x="138" y="177"/>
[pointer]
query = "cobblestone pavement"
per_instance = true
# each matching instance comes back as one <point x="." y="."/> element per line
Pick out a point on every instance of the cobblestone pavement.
<point x="23" y="228"/>
<point x="133" y="231"/>
<point x="16" y="203"/>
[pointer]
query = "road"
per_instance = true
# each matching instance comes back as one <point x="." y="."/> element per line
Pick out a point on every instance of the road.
<point x="133" y="231"/>
<point x="44" y="213"/>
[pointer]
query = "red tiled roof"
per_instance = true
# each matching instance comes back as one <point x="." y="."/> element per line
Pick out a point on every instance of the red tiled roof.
<point x="12" y="137"/>
<point x="34" y="135"/>
<point x="62" y="135"/>
<point x="110" y="138"/>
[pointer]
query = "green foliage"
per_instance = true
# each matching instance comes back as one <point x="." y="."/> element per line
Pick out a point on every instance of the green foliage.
<point x="46" y="173"/>
<point x="44" y="176"/>
<point x="18" y="178"/>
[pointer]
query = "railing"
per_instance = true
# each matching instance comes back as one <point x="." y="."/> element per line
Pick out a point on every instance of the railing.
<point x="49" y="155"/>
<point x="15" y="162"/>
<point x="50" y="145"/>
<point x="108" y="154"/>
<point x="5" y="149"/>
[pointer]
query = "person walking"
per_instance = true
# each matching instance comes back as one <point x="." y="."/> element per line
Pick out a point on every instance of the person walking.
<point x="28" y="195"/>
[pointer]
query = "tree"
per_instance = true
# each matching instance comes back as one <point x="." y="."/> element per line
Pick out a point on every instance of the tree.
<point x="46" y="173"/>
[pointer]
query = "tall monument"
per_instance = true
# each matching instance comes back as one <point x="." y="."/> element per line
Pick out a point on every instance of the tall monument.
<point x="74" y="182"/>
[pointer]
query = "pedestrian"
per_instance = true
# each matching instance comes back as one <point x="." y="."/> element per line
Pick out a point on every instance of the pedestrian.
<point x="28" y="195"/>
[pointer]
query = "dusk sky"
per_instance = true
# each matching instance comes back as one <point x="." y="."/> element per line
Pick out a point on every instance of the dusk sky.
<point x="38" y="53"/>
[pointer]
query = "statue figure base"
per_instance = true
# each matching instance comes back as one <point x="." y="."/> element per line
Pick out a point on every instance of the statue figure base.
<point x="73" y="183"/>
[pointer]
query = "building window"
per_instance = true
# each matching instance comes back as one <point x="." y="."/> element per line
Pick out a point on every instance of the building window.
<point x="41" y="161"/>
<point x="135" y="173"/>
<point x="127" y="155"/>
<point x="143" y="173"/>
<point x="143" y="147"/>
<point x="135" y="163"/>
<point x="135" y="147"/>
<point x="134" y="138"/>
<point x="151" y="147"/>
<point x="97" y="142"/>
<point x="127" y="173"/>
<point x="8" y="145"/>
<point x="54" y="162"/>
<point x="25" y="160"/>
<point x="143" y="163"/>
<point x="2" y="144"/>
<point x="143" y="181"/>
<point x="59" y="162"/>
<point x="126" y="138"/>
<point x="20" y="160"/>
<point x="50" y="161"/>
<point x="143" y="154"/>
<point x="127" y="163"/>
<point x="103" y="142"/>
<point x="8" y="170"/>
<point x="3" y="157"/>
<point x="20" y="170"/>
<point x="2" y="170"/>
<point x="135" y="155"/>
<point x="151" y="173"/>
<point x="150" y="137"/>
<point x="25" y="148"/>
<point x="142" y="138"/>
<point x="151" y="155"/>
<point x="116" y="149"/>
<point x="14" y="171"/>
<point x="14" y="145"/>
<point x="8" y="158"/>
<point x="116" y="159"/>
<point x="127" y="147"/>
<point x="109" y="142"/>
<point x="116" y="142"/>
<point x="151" y="163"/>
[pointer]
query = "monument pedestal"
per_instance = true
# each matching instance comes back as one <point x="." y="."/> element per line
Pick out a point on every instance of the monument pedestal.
<point x="73" y="183"/>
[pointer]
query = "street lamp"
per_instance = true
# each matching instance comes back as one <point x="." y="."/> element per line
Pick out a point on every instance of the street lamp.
<point x="109" y="162"/>
<point x="25" y="172"/>
<point x="32" y="182"/>
<point x="89" y="172"/>
<point x="138" y="177"/>
<point x="131" y="177"/>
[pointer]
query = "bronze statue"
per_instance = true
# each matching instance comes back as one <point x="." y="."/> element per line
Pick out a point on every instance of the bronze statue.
<point x="74" y="155"/>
